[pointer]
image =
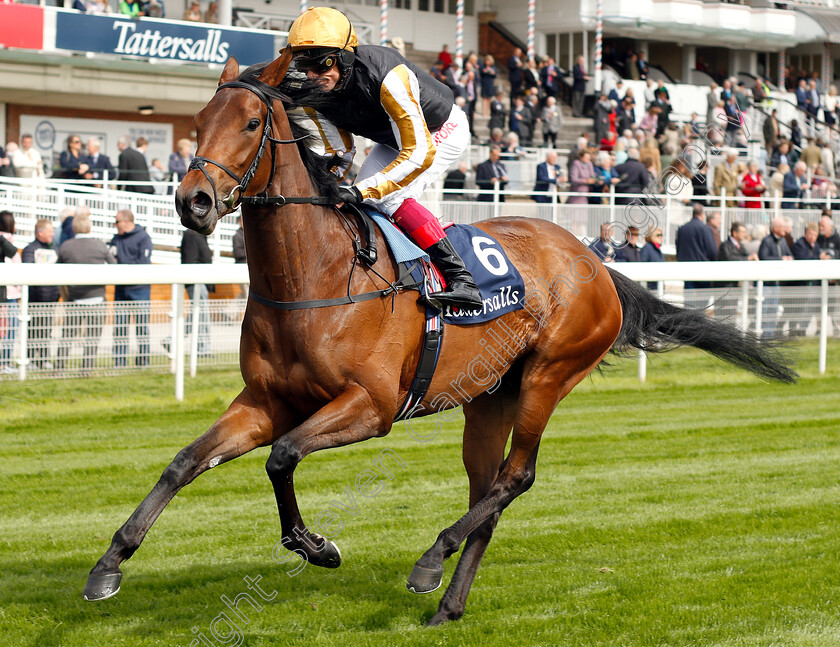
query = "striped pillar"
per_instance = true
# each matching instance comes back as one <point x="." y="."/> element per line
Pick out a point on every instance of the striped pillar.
<point x="826" y="73"/>
<point x="782" y="66"/>
<point x="383" y="22"/>
<point x="304" y="5"/>
<point x="459" y="34"/>
<point x="532" y="15"/>
<point x="599" y="35"/>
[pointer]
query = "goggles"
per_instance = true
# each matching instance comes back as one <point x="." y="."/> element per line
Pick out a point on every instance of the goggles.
<point x="317" y="62"/>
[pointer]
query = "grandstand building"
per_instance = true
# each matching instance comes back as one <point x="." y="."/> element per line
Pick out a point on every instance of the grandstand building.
<point x="104" y="74"/>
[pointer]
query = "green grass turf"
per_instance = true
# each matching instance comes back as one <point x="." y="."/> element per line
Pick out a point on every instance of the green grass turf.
<point x="700" y="508"/>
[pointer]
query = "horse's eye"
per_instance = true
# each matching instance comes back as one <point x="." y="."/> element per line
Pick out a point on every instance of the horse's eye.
<point x="253" y="124"/>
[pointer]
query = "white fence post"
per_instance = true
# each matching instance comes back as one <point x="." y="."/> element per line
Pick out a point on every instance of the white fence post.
<point x="496" y="203"/>
<point x="195" y="318"/>
<point x="759" y="306"/>
<point x="178" y="342"/>
<point x="823" y="324"/>
<point x="745" y="306"/>
<point x="173" y="325"/>
<point x="23" y="330"/>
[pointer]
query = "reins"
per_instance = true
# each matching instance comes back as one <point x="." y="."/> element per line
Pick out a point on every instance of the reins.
<point x="366" y="254"/>
<point x="233" y="200"/>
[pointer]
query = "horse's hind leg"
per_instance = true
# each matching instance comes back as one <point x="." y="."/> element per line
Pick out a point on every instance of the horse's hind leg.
<point x="489" y="419"/>
<point x="542" y="389"/>
<point x="243" y="427"/>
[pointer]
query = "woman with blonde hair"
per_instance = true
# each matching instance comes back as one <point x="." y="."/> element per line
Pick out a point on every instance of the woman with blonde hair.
<point x="777" y="180"/>
<point x="650" y="149"/>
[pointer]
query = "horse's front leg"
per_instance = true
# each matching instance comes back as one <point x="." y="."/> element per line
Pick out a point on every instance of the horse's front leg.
<point x="350" y="418"/>
<point x="243" y="427"/>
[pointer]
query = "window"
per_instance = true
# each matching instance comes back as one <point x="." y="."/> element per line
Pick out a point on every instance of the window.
<point x="551" y="45"/>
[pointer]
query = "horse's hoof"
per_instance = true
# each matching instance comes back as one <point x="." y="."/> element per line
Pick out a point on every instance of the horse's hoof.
<point x="424" y="580"/>
<point x="441" y="617"/>
<point x="102" y="587"/>
<point x="329" y="556"/>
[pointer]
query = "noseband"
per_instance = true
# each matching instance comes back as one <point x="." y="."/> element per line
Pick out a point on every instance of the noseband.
<point x="233" y="200"/>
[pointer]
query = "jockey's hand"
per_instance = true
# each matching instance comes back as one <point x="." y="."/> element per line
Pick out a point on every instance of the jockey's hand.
<point x="350" y="195"/>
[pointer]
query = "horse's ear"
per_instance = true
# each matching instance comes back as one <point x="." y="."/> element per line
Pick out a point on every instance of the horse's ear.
<point x="275" y="71"/>
<point x="231" y="71"/>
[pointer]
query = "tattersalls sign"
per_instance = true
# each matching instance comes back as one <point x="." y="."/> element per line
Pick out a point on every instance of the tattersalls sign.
<point x="161" y="39"/>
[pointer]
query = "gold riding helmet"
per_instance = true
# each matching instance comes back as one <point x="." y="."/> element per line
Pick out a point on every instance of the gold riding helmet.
<point x="321" y="37"/>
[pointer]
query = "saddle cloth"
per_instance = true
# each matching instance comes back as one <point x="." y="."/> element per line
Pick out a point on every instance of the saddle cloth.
<point x="500" y="283"/>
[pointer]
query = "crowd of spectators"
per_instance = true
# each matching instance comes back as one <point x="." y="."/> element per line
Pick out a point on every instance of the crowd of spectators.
<point x="699" y="240"/>
<point x="150" y="8"/>
<point x="84" y="161"/>
<point x="69" y="240"/>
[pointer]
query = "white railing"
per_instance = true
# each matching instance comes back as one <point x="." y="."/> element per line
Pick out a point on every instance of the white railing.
<point x="30" y="200"/>
<point x="80" y="330"/>
<point x="51" y="340"/>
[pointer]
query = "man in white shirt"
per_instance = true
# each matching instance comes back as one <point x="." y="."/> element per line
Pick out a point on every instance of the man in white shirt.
<point x="27" y="160"/>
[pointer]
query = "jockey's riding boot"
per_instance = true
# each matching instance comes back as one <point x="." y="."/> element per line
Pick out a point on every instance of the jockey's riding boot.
<point x="461" y="290"/>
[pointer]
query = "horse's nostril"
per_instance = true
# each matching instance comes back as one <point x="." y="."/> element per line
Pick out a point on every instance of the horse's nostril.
<point x="201" y="201"/>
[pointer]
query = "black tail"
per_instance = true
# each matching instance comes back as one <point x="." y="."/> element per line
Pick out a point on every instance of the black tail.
<point x="655" y="326"/>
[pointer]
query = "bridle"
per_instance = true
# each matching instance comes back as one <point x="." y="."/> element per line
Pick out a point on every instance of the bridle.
<point x="233" y="200"/>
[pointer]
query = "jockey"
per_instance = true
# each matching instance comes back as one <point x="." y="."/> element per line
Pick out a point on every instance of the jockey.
<point x="418" y="132"/>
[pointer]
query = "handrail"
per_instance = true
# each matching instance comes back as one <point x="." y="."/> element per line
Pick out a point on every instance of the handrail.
<point x="34" y="274"/>
<point x="781" y="123"/>
<point x="807" y="114"/>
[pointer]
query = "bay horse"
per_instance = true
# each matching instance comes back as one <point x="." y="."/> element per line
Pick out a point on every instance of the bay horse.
<point x="327" y="377"/>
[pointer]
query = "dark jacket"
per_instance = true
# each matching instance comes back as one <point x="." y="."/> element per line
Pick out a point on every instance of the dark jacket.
<point x="133" y="248"/>
<point x="498" y="115"/>
<point x="133" y="168"/>
<point x="544" y="182"/>
<point x="633" y="178"/>
<point x="579" y="76"/>
<point x="454" y="181"/>
<point x="792" y="188"/>
<point x="729" y="252"/>
<point x="239" y="246"/>
<point x="38" y="252"/>
<point x="69" y="164"/>
<point x="102" y="164"/>
<point x="830" y="244"/>
<point x="178" y="165"/>
<point x="195" y="250"/>
<point x="67" y="229"/>
<point x="651" y="254"/>
<point x="695" y="242"/>
<point x="772" y="249"/>
<point x="484" y="175"/>
<point x="357" y="105"/>
<point x="599" y="247"/>
<point x="514" y="65"/>
<point x="802" y="251"/>
<point x="7" y="250"/>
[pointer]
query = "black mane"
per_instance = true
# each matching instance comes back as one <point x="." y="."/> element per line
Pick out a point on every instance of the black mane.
<point x="317" y="166"/>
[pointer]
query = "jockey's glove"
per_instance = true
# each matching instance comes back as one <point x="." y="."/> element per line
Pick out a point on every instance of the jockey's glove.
<point x="350" y="195"/>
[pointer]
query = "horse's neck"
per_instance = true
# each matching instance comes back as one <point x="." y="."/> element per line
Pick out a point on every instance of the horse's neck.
<point x="294" y="251"/>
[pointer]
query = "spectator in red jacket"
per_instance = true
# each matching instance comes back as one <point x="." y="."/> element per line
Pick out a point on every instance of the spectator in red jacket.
<point x="753" y="186"/>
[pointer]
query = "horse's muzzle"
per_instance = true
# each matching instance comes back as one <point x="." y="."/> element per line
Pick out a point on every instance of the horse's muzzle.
<point x="196" y="209"/>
